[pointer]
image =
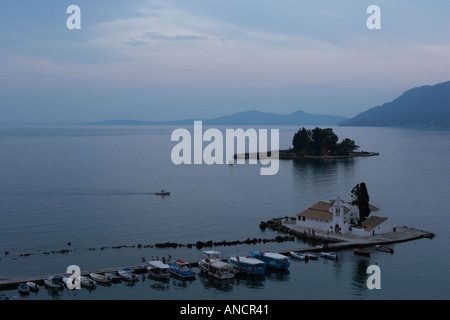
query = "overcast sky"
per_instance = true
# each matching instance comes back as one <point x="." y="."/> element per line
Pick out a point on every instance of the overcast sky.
<point x="176" y="59"/>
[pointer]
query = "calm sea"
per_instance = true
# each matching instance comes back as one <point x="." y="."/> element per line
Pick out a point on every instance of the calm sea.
<point x="93" y="187"/>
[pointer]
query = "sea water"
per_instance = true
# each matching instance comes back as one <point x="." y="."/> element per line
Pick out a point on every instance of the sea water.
<point x="84" y="195"/>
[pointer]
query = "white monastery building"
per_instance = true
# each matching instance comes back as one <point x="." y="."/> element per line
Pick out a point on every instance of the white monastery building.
<point x="338" y="216"/>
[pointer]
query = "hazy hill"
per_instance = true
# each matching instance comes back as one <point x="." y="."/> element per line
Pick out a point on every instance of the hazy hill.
<point x="419" y="107"/>
<point x="243" y="118"/>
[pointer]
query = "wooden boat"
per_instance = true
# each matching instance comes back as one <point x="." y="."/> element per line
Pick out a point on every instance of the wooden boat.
<point x="54" y="282"/>
<point x="88" y="282"/>
<point x="115" y="278"/>
<point x="297" y="255"/>
<point x="33" y="286"/>
<point x="181" y="269"/>
<point x="100" y="278"/>
<point x="272" y="259"/>
<point x="128" y="275"/>
<point x="213" y="266"/>
<point x="361" y="252"/>
<point x="158" y="269"/>
<point x="24" y="288"/>
<point x="329" y="255"/>
<point x="311" y="256"/>
<point x="248" y="265"/>
<point x="163" y="193"/>
<point x="384" y="249"/>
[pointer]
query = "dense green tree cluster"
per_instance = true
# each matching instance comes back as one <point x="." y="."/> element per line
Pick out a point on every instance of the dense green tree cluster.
<point x="321" y="142"/>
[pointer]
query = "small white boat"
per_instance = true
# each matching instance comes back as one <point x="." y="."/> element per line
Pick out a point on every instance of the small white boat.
<point x="329" y="255"/>
<point x="100" y="278"/>
<point x="297" y="255"/>
<point x="158" y="269"/>
<point x="128" y="275"/>
<point x="88" y="282"/>
<point x="24" y="288"/>
<point x="212" y="265"/>
<point x="33" y="286"/>
<point x="54" y="282"/>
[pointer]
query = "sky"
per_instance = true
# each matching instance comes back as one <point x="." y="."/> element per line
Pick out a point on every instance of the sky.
<point x="160" y="60"/>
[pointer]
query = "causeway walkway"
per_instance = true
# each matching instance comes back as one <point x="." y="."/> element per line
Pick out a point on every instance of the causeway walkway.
<point x="346" y="241"/>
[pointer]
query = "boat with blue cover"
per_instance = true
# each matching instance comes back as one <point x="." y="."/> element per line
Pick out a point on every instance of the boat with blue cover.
<point x="272" y="259"/>
<point x="248" y="265"/>
<point x="329" y="255"/>
<point x="181" y="269"/>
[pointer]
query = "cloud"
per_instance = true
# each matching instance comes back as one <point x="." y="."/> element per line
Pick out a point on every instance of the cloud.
<point x="159" y="36"/>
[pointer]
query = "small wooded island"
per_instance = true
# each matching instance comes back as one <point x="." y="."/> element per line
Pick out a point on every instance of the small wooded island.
<point x="317" y="143"/>
<point x="321" y="144"/>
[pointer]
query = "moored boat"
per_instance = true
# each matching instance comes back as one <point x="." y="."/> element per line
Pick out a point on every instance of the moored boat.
<point x="297" y="255"/>
<point x="329" y="255"/>
<point x="311" y="256"/>
<point x="248" y="265"/>
<point x="115" y="278"/>
<point x="24" y="288"/>
<point x="128" y="275"/>
<point x="88" y="282"/>
<point x="158" y="269"/>
<point x="69" y="282"/>
<point x="361" y="252"/>
<point x="272" y="259"/>
<point x="54" y="282"/>
<point x="384" y="249"/>
<point x="212" y="265"/>
<point x="32" y="285"/>
<point x="100" y="278"/>
<point x="181" y="269"/>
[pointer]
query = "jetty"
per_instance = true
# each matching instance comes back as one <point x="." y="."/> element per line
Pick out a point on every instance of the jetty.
<point x="328" y="242"/>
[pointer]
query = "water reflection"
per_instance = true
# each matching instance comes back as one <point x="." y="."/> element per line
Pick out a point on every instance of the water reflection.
<point x="277" y="275"/>
<point x="359" y="276"/>
<point x="225" y="285"/>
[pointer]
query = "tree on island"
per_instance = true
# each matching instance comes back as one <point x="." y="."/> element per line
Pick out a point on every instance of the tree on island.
<point x="320" y="142"/>
<point x="361" y="200"/>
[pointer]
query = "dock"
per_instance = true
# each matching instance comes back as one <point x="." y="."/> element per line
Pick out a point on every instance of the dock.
<point x="339" y="242"/>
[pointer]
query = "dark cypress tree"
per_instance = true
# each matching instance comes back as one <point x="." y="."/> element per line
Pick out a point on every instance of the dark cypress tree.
<point x="361" y="200"/>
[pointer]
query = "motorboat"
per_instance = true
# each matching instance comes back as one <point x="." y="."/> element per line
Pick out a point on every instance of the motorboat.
<point x="158" y="269"/>
<point x="32" y="285"/>
<point x="128" y="275"/>
<point x="163" y="193"/>
<point x="329" y="255"/>
<point x="69" y="282"/>
<point x="384" y="248"/>
<point x="181" y="269"/>
<point x="212" y="265"/>
<point x="272" y="259"/>
<point x="297" y="255"/>
<point x="54" y="282"/>
<point x="24" y="288"/>
<point x="248" y="265"/>
<point x="311" y="256"/>
<point x="100" y="278"/>
<point x="361" y="252"/>
<point x="115" y="278"/>
<point x="88" y="282"/>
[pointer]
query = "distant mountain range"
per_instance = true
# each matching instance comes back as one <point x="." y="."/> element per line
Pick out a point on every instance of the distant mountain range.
<point x="426" y="106"/>
<point x="298" y="118"/>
